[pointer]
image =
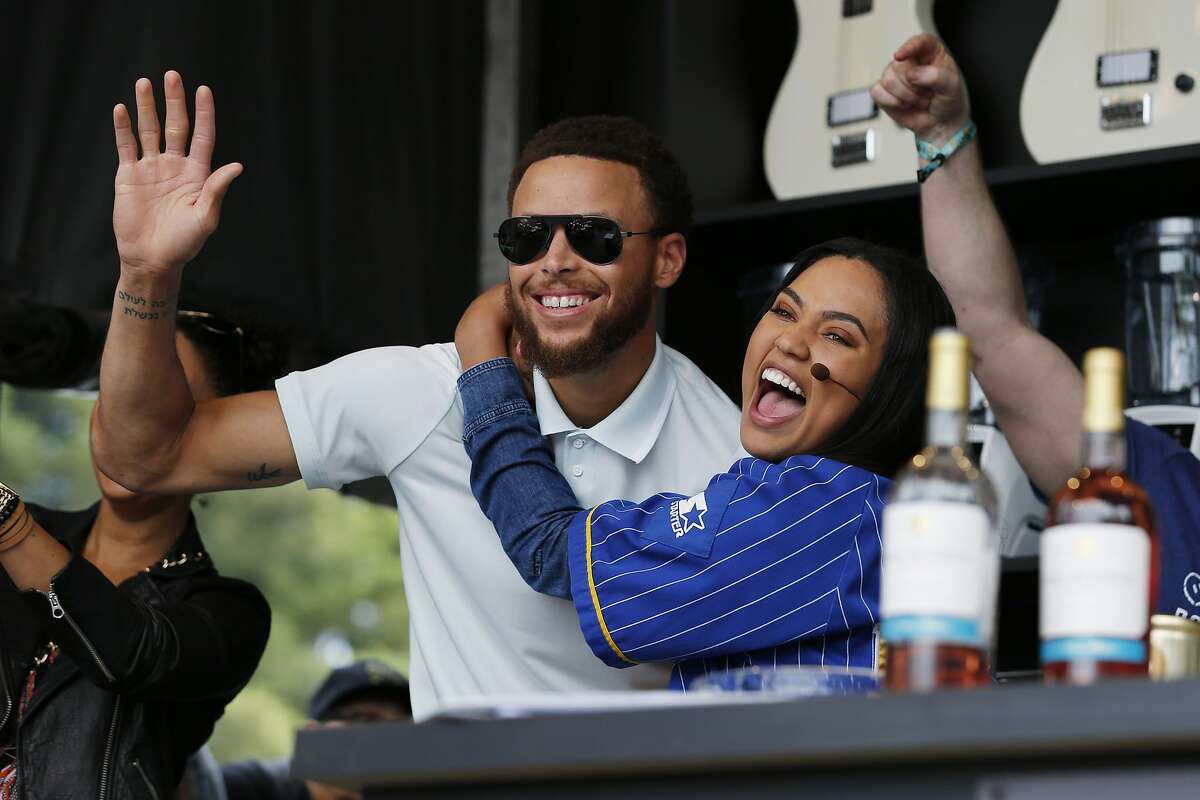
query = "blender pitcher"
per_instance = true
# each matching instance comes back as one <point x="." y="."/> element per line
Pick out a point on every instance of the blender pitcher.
<point x="1162" y="310"/>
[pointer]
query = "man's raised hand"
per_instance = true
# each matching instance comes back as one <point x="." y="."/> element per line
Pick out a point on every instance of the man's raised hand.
<point x="922" y="90"/>
<point x="167" y="203"/>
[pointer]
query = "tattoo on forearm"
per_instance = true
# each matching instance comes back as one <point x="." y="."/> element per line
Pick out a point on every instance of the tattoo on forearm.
<point x="142" y="307"/>
<point x="262" y="474"/>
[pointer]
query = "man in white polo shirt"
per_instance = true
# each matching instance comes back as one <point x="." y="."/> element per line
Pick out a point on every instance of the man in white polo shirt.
<point x="600" y="209"/>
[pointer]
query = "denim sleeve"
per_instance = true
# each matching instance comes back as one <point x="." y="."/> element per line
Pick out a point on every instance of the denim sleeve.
<point x="514" y="478"/>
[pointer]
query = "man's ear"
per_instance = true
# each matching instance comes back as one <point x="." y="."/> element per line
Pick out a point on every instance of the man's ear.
<point x="668" y="264"/>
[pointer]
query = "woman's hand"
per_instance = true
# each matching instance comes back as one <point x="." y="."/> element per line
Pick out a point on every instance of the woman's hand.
<point x="485" y="329"/>
<point x="922" y="90"/>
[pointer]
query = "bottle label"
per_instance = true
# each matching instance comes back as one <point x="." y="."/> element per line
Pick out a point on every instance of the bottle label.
<point x="940" y="565"/>
<point x="1093" y="648"/>
<point x="1095" y="582"/>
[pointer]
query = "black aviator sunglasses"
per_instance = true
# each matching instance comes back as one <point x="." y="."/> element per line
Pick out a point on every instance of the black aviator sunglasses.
<point x="598" y="239"/>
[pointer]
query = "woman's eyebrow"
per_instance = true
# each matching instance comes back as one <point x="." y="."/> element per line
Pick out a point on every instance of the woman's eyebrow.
<point x="842" y="315"/>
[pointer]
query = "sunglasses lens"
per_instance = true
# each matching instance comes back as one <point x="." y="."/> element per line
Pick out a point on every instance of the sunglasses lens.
<point x="595" y="238"/>
<point x="521" y="239"/>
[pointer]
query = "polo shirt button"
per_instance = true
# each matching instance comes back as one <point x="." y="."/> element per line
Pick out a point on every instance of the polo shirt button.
<point x="577" y="471"/>
<point x="578" y="444"/>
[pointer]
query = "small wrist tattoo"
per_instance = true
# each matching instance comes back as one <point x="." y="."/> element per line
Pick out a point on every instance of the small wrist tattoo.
<point x="262" y="474"/>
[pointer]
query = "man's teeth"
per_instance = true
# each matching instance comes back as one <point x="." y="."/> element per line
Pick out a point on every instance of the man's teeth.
<point x="563" y="301"/>
<point x="775" y="376"/>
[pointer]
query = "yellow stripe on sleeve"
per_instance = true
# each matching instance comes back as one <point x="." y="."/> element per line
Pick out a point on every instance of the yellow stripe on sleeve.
<point x="595" y="596"/>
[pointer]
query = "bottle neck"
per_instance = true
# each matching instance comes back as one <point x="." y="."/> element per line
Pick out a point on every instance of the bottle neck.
<point x="945" y="428"/>
<point x="1104" y="450"/>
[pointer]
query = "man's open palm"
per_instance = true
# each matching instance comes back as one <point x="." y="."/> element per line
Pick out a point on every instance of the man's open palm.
<point x="167" y="203"/>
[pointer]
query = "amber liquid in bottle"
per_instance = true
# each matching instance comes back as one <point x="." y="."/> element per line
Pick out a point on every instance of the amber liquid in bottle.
<point x="925" y="666"/>
<point x="1102" y="495"/>
<point x="941" y="552"/>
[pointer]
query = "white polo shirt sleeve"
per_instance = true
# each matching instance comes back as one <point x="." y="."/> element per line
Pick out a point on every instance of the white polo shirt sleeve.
<point x="364" y="414"/>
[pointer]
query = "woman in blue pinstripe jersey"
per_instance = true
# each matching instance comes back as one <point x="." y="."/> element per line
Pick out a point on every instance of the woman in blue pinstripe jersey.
<point x="776" y="561"/>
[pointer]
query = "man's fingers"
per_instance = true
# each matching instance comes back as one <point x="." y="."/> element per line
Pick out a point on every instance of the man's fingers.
<point x="205" y="137"/>
<point x="147" y="120"/>
<point x="212" y="194"/>
<point x="177" y="115"/>
<point x="934" y="79"/>
<point x="126" y="144"/>
<point x="897" y="88"/>
<point x="885" y="99"/>
<point x="922" y="49"/>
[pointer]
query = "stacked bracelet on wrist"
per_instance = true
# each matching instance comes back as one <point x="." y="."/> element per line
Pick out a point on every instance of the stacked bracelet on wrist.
<point x="937" y="156"/>
<point x="15" y="521"/>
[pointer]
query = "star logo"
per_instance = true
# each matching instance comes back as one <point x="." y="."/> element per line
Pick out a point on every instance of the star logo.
<point x="691" y="513"/>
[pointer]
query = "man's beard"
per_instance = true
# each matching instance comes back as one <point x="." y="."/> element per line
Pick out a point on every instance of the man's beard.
<point x="610" y="332"/>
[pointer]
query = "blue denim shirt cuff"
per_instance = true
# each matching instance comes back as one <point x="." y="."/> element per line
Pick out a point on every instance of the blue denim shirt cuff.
<point x="491" y="391"/>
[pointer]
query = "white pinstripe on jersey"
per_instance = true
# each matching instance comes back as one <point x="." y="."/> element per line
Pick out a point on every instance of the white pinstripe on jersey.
<point x="782" y="568"/>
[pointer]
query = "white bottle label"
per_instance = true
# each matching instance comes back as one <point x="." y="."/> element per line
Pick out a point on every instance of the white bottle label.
<point x="940" y="562"/>
<point x="1094" y="581"/>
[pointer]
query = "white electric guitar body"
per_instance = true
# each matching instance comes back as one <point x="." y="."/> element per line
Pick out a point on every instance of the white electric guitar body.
<point x="825" y="133"/>
<point x="1113" y="76"/>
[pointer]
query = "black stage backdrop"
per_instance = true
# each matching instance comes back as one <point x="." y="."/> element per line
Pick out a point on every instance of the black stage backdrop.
<point x="355" y="221"/>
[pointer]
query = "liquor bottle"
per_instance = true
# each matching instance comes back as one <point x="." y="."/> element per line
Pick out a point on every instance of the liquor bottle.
<point x="941" y="549"/>
<point x="1100" y="551"/>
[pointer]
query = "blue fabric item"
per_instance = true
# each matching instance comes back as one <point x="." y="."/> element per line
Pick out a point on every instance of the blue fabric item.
<point x="936" y="157"/>
<point x="513" y="475"/>
<point x="1171" y="476"/>
<point x="791" y="576"/>
<point x="773" y="564"/>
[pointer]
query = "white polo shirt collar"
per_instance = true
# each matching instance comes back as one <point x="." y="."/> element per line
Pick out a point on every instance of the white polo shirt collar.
<point x="633" y="428"/>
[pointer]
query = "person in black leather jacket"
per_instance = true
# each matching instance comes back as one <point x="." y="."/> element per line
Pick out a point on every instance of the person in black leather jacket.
<point x="120" y="645"/>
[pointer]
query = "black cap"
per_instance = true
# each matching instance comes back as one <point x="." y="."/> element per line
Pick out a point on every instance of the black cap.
<point x="360" y="677"/>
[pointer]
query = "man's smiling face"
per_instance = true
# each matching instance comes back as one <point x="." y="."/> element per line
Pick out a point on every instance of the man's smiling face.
<point x="572" y="315"/>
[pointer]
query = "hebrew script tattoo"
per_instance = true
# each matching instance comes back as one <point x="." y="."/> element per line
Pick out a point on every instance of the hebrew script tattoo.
<point x="141" y="307"/>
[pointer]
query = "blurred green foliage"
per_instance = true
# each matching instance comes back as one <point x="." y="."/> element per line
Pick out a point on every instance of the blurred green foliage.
<point x="329" y="566"/>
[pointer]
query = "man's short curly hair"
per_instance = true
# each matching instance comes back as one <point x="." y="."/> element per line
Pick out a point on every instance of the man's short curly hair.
<point x="623" y="140"/>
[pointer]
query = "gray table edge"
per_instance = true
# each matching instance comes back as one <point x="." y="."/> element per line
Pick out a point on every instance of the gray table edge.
<point x="995" y="724"/>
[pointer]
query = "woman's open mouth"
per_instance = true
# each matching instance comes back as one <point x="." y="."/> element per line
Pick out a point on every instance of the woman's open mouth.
<point x="778" y="399"/>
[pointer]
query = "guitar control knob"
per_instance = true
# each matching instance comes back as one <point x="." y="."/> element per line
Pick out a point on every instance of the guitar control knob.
<point x="1184" y="82"/>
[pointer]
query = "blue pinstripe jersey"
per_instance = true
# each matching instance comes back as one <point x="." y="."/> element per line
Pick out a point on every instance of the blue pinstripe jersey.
<point x="773" y="564"/>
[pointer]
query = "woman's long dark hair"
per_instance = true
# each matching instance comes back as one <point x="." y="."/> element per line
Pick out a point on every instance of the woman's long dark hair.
<point x="888" y="425"/>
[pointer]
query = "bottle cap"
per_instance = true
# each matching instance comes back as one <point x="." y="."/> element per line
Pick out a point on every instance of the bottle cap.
<point x="949" y="356"/>
<point x="1104" y="390"/>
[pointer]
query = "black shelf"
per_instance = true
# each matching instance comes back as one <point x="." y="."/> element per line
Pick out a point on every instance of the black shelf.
<point x="1000" y="177"/>
<point x="1063" y="218"/>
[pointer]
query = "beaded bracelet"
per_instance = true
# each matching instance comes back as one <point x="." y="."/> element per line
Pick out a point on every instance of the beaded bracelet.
<point x="936" y="157"/>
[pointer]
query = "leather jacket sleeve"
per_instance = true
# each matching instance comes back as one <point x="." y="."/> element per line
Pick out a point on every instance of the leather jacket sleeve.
<point x="204" y="640"/>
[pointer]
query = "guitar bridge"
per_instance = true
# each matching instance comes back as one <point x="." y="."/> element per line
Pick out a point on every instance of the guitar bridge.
<point x="1119" y="113"/>
<point x="853" y="148"/>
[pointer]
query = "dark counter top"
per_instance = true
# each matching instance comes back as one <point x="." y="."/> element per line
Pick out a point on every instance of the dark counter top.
<point x="831" y="742"/>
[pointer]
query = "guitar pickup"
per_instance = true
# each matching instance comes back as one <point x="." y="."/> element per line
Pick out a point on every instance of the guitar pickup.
<point x="854" y="148"/>
<point x="852" y="106"/>
<point x="1130" y="66"/>
<point x="1118" y="113"/>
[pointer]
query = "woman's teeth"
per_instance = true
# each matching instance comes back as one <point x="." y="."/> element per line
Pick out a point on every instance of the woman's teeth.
<point x="564" y="301"/>
<point x="775" y="376"/>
